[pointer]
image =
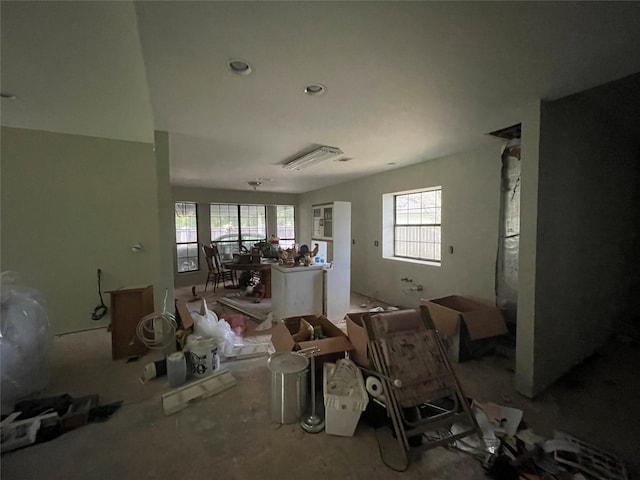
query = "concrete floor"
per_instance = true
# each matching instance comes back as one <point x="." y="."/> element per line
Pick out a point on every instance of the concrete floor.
<point x="231" y="436"/>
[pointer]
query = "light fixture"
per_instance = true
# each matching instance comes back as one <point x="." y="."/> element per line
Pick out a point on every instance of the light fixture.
<point x="315" y="89"/>
<point x="239" y="67"/>
<point x="254" y="183"/>
<point x="318" y="155"/>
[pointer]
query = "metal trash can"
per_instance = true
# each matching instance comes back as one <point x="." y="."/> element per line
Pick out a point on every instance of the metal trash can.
<point x="289" y="386"/>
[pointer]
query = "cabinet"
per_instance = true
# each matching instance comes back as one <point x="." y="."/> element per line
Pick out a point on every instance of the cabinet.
<point x="296" y="290"/>
<point x="128" y="306"/>
<point x="332" y="225"/>
<point x="322" y="222"/>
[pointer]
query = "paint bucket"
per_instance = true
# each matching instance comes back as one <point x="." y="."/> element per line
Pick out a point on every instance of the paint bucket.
<point x="289" y="386"/>
<point x="202" y="355"/>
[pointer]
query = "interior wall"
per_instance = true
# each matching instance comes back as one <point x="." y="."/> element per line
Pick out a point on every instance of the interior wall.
<point x="166" y="220"/>
<point x="470" y="211"/>
<point x="530" y="152"/>
<point x="587" y="241"/>
<point x="72" y="204"/>
<point x="203" y="197"/>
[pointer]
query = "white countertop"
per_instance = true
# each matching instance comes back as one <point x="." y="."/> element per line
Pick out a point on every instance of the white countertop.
<point x="285" y="269"/>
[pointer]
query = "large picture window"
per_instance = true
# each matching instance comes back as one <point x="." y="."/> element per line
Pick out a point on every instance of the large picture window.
<point x="186" y="237"/>
<point x="417" y="225"/>
<point x="236" y="228"/>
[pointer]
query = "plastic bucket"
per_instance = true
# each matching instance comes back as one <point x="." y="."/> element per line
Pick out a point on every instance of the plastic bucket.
<point x="202" y="355"/>
<point x="289" y="386"/>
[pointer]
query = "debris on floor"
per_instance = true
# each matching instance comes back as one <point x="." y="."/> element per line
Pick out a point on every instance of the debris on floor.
<point x="43" y="419"/>
<point x="182" y="397"/>
<point x="513" y="451"/>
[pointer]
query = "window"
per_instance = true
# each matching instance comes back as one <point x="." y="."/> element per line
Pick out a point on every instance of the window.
<point x="236" y="227"/>
<point x="285" y="225"/>
<point x="187" y="237"/>
<point x="417" y="224"/>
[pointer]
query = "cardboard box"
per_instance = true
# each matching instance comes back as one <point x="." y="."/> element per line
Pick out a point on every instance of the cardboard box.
<point x="332" y="346"/>
<point x="468" y="327"/>
<point x="358" y="338"/>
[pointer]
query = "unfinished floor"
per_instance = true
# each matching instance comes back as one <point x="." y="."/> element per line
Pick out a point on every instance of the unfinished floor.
<point x="231" y="435"/>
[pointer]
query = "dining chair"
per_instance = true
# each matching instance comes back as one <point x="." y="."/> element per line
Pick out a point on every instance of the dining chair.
<point x="217" y="272"/>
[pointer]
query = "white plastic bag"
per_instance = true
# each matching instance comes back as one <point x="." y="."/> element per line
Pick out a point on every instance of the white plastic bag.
<point x="208" y="325"/>
<point x="205" y="325"/>
<point x="25" y="340"/>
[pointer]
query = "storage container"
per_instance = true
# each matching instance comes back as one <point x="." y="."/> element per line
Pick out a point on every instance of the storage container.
<point x="289" y="386"/>
<point x="343" y="408"/>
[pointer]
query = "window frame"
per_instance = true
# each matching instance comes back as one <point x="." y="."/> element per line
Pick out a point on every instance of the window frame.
<point x="286" y="242"/>
<point x="190" y="269"/>
<point x="228" y="247"/>
<point x="390" y="227"/>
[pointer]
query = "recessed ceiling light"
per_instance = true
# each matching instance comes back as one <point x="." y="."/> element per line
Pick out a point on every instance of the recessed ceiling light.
<point x="391" y="163"/>
<point x="344" y="159"/>
<point x="315" y="89"/>
<point x="7" y="95"/>
<point x="239" y="67"/>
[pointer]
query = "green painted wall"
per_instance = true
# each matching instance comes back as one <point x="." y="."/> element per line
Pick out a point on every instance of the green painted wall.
<point x="72" y="204"/>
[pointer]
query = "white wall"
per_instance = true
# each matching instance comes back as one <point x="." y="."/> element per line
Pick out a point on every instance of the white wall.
<point x="203" y="197"/>
<point x="530" y="145"/>
<point x="166" y="220"/>
<point x="587" y="241"/>
<point x="72" y="204"/>
<point x="470" y="195"/>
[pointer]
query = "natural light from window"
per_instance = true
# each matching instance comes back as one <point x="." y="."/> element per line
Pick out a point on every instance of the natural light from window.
<point x="412" y="225"/>
<point x="186" y="236"/>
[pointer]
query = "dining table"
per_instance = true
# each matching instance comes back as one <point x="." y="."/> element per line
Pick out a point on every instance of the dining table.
<point x="262" y="269"/>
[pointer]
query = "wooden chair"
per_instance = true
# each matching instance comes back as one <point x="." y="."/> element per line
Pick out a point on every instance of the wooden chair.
<point x="217" y="272"/>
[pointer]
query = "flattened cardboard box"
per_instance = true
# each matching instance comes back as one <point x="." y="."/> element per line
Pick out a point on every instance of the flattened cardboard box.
<point x="467" y="326"/>
<point x="335" y="342"/>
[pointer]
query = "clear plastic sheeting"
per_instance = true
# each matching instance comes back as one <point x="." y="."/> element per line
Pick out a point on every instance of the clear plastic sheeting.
<point x="25" y="341"/>
<point x="509" y="238"/>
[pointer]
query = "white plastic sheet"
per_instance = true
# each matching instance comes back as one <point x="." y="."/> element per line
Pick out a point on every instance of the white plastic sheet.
<point x="25" y="341"/>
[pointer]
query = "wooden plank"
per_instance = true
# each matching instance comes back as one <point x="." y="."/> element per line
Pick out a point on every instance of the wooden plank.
<point x="182" y="397"/>
<point x="236" y="306"/>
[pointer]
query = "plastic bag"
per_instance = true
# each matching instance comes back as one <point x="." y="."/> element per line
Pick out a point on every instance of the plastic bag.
<point x="25" y="341"/>
<point x="205" y="325"/>
<point x="225" y="347"/>
<point x="208" y="325"/>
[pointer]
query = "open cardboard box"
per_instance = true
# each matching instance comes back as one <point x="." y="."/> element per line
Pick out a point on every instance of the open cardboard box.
<point x="331" y="346"/>
<point x="468" y="327"/>
<point x="358" y="338"/>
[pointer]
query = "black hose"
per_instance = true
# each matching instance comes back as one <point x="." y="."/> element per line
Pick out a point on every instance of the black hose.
<point x="101" y="310"/>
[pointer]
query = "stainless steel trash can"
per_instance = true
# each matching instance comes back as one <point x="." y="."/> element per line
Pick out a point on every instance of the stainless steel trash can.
<point x="289" y="386"/>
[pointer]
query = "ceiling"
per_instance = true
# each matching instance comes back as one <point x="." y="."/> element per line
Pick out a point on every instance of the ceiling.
<point x="406" y="81"/>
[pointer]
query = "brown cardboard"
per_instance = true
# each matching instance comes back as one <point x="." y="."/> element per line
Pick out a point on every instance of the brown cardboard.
<point x="335" y="342"/>
<point x="184" y="314"/>
<point x="464" y="324"/>
<point x="358" y="338"/>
